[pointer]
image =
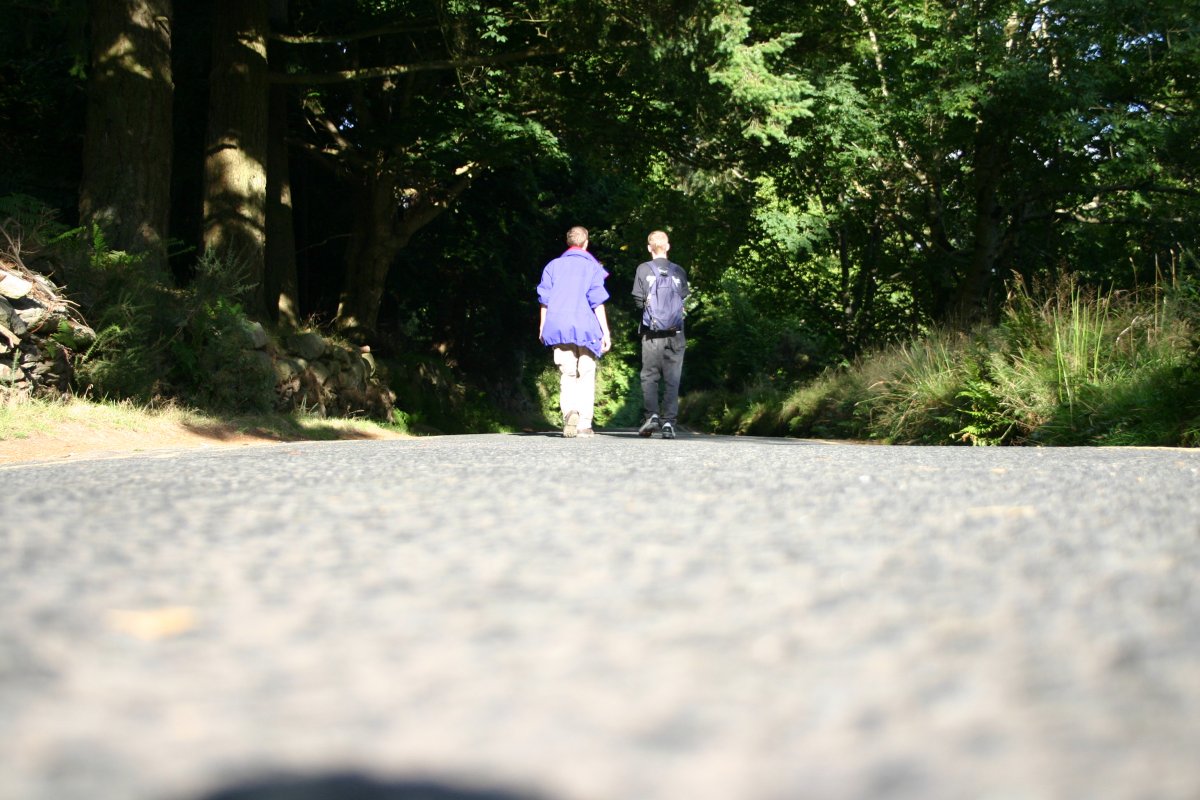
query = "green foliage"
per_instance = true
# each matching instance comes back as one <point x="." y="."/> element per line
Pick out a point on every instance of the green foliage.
<point x="41" y="99"/>
<point x="948" y="145"/>
<point x="835" y="177"/>
<point x="738" y="336"/>
<point x="30" y="213"/>
<point x="986" y="418"/>
<point x="213" y="365"/>
<point x="618" y="392"/>
<point x="769" y="98"/>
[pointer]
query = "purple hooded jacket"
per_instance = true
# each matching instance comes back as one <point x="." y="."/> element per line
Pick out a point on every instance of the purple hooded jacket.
<point x="572" y="286"/>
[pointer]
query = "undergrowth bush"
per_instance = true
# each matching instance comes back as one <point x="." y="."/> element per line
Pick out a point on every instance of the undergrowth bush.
<point x="437" y="398"/>
<point x="735" y="339"/>
<point x="618" y="391"/>
<point x="156" y="342"/>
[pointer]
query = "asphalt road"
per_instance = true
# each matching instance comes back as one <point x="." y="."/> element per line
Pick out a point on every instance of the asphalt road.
<point x="605" y="619"/>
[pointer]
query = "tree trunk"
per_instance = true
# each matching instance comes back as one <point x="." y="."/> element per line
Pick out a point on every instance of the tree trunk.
<point x="844" y="284"/>
<point x="988" y="231"/>
<point x="374" y="244"/>
<point x="126" y="186"/>
<point x="868" y="284"/>
<point x="281" y="281"/>
<point x="379" y="236"/>
<point x="235" y="165"/>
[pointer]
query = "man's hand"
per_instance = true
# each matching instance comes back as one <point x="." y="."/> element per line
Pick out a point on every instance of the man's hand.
<point x="605" y="343"/>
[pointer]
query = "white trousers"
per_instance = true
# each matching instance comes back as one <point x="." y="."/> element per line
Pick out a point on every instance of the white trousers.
<point x="577" y="381"/>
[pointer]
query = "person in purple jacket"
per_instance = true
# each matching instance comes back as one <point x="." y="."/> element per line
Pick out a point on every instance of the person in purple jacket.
<point x="572" y="321"/>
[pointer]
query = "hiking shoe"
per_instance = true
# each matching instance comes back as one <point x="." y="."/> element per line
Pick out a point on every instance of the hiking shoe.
<point x="668" y="430"/>
<point x="570" y="427"/>
<point x="585" y="433"/>
<point x="649" y="426"/>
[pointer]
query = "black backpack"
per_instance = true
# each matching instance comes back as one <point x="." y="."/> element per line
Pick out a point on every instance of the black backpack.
<point x="664" y="302"/>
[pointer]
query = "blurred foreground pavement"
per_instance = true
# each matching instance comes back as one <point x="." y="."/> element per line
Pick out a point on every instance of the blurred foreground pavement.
<point x="518" y="617"/>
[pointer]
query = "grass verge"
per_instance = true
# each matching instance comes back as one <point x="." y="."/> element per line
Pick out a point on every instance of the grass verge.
<point x="1064" y="366"/>
<point x="31" y="429"/>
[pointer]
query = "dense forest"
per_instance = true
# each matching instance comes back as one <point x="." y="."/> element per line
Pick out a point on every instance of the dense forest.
<point x="836" y="175"/>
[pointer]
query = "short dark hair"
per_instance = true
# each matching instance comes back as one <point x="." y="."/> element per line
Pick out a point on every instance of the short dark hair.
<point x="577" y="236"/>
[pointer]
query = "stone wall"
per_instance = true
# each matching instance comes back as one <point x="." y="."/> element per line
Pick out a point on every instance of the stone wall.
<point x="326" y="377"/>
<point x="38" y="330"/>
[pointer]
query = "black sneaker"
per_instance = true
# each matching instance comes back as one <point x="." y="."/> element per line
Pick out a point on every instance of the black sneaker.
<point x="649" y="426"/>
<point x="668" y="430"/>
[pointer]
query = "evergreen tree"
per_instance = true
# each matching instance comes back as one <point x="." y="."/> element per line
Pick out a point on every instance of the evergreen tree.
<point x="127" y="152"/>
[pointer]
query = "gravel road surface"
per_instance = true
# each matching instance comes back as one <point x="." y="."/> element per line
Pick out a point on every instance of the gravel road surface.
<point x="609" y="619"/>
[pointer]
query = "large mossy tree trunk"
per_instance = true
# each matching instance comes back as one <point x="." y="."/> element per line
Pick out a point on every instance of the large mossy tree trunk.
<point x="281" y="282"/>
<point x="235" y="163"/>
<point x="126" y="186"/>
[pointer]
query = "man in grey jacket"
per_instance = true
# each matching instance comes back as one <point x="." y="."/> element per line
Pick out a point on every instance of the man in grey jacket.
<point x="661" y="282"/>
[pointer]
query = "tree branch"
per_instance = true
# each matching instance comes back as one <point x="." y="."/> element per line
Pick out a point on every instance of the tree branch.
<point x="329" y="127"/>
<point x="433" y="207"/>
<point x="370" y="73"/>
<point x="326" y="159"/>
<point x="339" y="38"/>
<point x="1144" y="187"/>
<point x="1079" y="212"/>
<point x="1130" y="221"/>
<point x="416" y="26"/>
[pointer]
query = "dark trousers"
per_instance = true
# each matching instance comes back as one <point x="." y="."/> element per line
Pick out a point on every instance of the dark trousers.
<point x="662" y="362"/>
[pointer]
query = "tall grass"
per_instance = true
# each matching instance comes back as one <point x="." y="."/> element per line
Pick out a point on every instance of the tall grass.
<point x="1064" y="365"/>
<point x="917" y="399"/>
<point x="1078" y="343"/>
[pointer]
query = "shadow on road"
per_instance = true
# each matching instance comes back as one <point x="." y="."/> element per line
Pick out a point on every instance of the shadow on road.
<point x="631" y="433"/>
<point x="349" y="786"/>
<point x="600" y="432"/>
<point x="277" y="430"/>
